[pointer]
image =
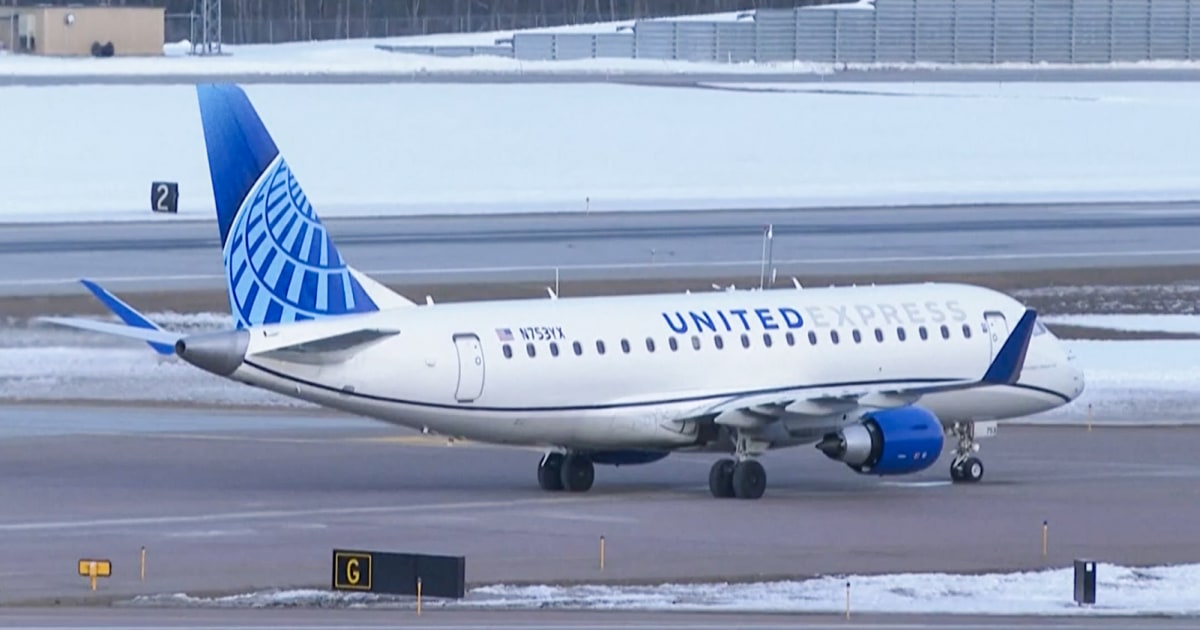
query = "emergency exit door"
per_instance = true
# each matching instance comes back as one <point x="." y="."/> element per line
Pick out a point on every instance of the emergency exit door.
<point x="470" y="367"/>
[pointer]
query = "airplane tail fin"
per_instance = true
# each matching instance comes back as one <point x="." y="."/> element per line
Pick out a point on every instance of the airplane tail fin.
<point x="280" y="263"/>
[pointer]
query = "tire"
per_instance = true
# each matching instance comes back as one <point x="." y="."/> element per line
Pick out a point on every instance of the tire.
<point x="972" y="470"/>
<point x="549" y="472"/>
<point x="578" y="473"/>
<point x="749" y="479"/>
<point x="720" y="479"/>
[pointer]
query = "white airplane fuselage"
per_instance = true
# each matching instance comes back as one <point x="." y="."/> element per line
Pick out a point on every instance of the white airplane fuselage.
<point x="446" y="368"/>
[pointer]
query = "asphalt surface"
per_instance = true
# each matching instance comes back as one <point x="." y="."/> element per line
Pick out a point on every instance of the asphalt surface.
<point x="42" y="259"/>
<point x="232" y="502"/>
<point x="88" y="618"/>
<point x="682" y="79"/>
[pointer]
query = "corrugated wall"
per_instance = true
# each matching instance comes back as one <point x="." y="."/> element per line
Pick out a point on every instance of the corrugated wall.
<point x="904" y="31"/>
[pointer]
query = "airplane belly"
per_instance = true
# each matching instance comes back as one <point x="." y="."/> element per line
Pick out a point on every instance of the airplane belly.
<point x="989" y="403"/>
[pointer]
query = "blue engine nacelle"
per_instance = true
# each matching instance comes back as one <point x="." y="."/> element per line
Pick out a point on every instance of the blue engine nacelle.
<point x="888" y="442"/>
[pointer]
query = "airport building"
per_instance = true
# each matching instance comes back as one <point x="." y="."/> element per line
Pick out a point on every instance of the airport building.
<point x="83" y="31"/>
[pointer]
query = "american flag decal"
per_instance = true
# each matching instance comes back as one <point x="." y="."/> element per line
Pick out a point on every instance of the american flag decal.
<point x="505" y="334"/>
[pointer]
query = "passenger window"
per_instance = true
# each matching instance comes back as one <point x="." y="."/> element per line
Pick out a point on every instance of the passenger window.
<point x="578" y="348"/>
<point x="649" y="344"/>
<point x="900" y="334"/>
<point x="879" y="335"/>
<point x="599" y="347"/>
<point x="812" y="338"/>
<point x="924" y="333"/>
<point x="530" y="349"/>
<point x="553" y="349"/>
<point x="507" y="351"/>
<point x="945" y="331"/>
<point x="833" y="336"/>
<point x="625" y="346"/>
<point x="791" y="339"/>
<point x="745" y="340"/>
<point x="695" y="342"/>
<point x="857" y="336"/>
<point x="967" y="331"/>
<point x="767" y="339"/>
<point x="718" y="342"/>
<point x="674" y="344"/>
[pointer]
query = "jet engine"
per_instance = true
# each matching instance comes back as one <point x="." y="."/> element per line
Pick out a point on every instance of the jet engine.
<point x="888" y="442"/>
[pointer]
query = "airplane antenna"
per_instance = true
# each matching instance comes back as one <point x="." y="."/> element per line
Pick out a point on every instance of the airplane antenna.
<point x="768" y="251"/>
<point x="553" y="295"/>
<point x="796" y="283"/>
<point x="429" y="300"/>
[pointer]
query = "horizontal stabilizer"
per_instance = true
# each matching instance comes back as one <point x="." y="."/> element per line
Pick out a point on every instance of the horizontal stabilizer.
<point x="149" y="335"/>
<point x="127" y="313"/>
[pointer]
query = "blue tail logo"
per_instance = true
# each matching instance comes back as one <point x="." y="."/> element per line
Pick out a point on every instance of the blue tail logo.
<point x="280" y="264"/>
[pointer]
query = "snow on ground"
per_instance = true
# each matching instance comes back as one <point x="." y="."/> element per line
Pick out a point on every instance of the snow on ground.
<point x="1128" y="382"/>
<point x="1141" y="323"/>
<point x="439" y="148"/>
<point x="1169" y="590"/>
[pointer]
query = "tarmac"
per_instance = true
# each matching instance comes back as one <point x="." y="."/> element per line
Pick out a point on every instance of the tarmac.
<point x="124" y="619"/>
<point x="230" y="502"/>
<point x="181" y="254"/>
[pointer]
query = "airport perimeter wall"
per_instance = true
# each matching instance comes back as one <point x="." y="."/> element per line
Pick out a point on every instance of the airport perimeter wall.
<point x="889" y="31"/>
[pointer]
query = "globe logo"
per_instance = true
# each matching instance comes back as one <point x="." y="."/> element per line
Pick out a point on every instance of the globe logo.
<point x="281" y="264"/>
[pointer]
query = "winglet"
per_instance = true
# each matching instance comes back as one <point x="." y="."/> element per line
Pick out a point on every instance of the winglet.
<point x="1006" y="367"/>
<point x="128" y="314"/>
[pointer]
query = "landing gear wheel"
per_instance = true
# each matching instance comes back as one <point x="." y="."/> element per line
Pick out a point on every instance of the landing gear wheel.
<point x="578" y="473"/>
<point x="956" y="473"/>
<point x="969" y="471"/>
<point x="720" y="478"/>
<point x="749" y="479"/>
<point x="549" y="472"/>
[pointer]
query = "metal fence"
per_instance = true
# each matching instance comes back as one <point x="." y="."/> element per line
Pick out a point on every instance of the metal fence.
<point x="898" y="31"/>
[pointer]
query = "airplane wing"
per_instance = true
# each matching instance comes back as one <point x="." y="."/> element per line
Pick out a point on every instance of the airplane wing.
<point x="759" y="410"/>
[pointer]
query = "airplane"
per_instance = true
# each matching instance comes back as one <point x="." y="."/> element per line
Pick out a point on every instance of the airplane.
<point x="879" y="378"/>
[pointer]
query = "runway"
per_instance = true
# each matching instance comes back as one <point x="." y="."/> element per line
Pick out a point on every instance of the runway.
<point x="154" y="255"/>
<point x="228" y="502"/>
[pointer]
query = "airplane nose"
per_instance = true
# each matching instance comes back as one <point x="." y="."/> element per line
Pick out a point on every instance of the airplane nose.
<point x="220" y="353"/>
<point x="1077" y="381"/>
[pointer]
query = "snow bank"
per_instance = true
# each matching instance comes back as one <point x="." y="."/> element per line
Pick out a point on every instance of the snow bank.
<point x="438" y="148"/>
<point x="1168" y="590"/>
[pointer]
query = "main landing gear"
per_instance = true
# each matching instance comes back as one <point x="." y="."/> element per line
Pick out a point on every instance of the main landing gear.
<point x="743" y="477"/>
<point x="965" y="467"/>
<point x="570" y="472"/>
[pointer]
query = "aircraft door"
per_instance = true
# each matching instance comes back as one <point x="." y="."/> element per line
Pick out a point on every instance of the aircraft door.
<point x="997" y="330"/>
<point x="470" y="367"/>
